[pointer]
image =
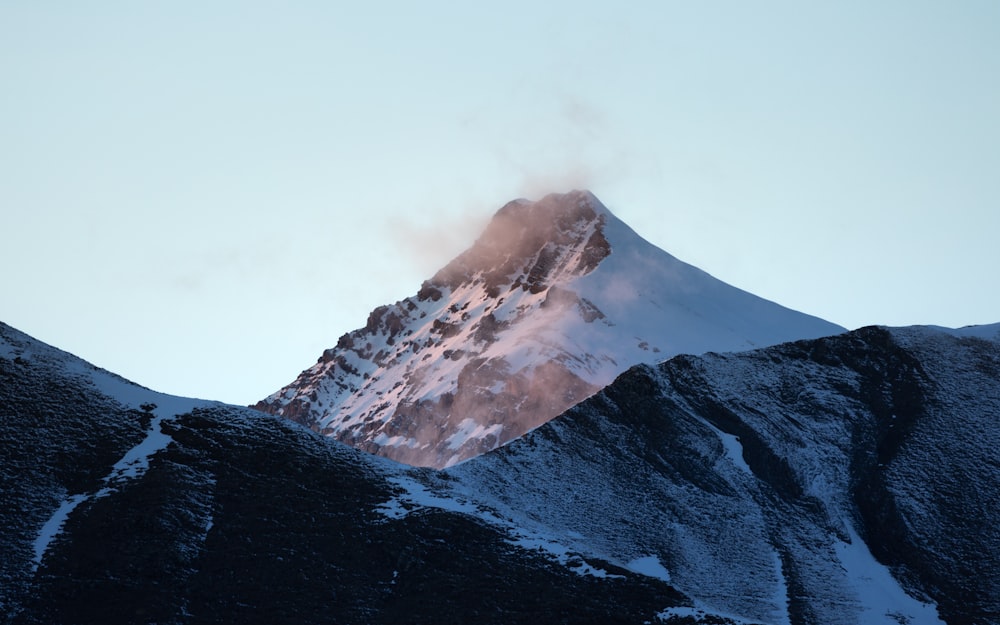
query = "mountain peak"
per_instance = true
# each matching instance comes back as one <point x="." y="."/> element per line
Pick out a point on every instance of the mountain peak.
<point x="554" y="300"/>
<point x="533" y="245"/>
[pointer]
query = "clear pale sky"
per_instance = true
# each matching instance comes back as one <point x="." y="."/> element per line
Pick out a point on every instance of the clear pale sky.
<point x="202" y="196"/>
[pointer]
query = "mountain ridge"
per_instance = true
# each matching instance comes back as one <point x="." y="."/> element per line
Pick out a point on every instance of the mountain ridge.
<point x="123" y="505"/>
<point x="849" y="480"/>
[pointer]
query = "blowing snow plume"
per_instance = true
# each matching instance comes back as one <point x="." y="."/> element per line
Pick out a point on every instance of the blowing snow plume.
<point x="553" y="301"/>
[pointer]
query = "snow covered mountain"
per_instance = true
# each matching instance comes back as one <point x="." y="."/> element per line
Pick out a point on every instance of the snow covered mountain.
<point x="555" y="299"/>
<point x="853" y="479"/>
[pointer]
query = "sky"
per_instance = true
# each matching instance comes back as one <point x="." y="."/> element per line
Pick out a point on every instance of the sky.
<point x="202" y="196"/>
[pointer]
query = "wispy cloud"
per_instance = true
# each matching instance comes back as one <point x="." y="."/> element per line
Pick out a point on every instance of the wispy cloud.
<point x="436" y="235"/>
<point x="574" y="145"/>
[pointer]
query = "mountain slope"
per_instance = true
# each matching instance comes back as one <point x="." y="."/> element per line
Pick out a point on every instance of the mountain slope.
<point x="122" y="505"/>
<point x="851" y="479"/>
<point x="554" y="300"/>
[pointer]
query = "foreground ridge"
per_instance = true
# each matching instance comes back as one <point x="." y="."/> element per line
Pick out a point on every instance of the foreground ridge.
<point x="847" y="480"/>
<point x="121" y="505"/>
<point x="851" y="480"/>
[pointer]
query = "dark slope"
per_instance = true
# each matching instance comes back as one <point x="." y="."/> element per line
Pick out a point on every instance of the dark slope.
<point x="754" y="477"/>
<point x="239" y="517"/>
<point x="49" y="446"/>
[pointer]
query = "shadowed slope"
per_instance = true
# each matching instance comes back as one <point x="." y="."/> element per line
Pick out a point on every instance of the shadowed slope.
<point x="122" y="505"/>
<point x="852" y="479"/>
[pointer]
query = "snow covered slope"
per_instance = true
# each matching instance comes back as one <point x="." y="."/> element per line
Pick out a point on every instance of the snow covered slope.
<point x="853" y="479"/>
<point x="554" y="300"/>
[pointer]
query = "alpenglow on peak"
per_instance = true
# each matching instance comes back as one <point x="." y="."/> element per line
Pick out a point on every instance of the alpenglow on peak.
<point x="555" y="299"/>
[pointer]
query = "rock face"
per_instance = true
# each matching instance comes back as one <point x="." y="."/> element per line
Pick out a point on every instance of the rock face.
<point x="554" y="300"/>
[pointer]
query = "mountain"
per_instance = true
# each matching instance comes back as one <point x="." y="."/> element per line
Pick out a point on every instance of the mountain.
<point x="122" y="505"/>
<point x="850" y="479"/>
<point x="555" y="299"/>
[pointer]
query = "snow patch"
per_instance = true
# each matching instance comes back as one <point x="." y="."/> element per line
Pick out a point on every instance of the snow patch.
<point x="650" y="567"/>
<point x="780" y="598"/>
<point x="734" y="450"/>
<point x="700" y="615"/>
<point x="416" y="496"/>
<point x="468" y="430"/>
<point x="135" y="462"/>
<point x="562" y="554"/>
<point x="384" y="440"/>
<point x="881" y="598"/>
<point x="53" y="527"/>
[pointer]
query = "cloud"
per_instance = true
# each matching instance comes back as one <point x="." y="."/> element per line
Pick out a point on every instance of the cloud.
<point x="437" y="235"/>
<point x="567" y="142"/>
<point x="571" y="144"/>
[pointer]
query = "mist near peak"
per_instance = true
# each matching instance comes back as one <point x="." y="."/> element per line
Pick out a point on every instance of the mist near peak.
<point x="427" y="239"/>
